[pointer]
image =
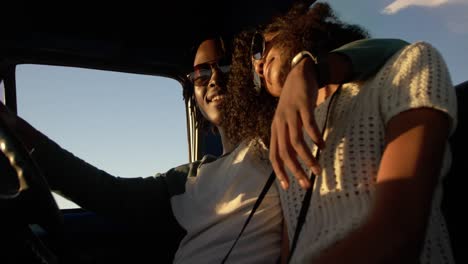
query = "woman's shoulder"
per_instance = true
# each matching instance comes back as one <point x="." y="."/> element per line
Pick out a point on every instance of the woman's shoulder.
<point x="419" y="58"/>
<point x="419" y="45"/>
<point x="414" y="52"/>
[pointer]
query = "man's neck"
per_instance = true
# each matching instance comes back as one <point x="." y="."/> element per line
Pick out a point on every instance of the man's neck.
<point x="228" y="146"/>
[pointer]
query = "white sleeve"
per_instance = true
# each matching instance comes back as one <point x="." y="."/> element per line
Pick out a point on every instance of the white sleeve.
<point x="416" y="77"/>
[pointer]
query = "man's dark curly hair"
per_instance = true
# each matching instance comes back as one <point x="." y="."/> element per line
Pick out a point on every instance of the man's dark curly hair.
<point x="317" y="29"/>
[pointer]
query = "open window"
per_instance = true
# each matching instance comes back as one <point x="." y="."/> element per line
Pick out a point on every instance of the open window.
<point x="130" y="125"/>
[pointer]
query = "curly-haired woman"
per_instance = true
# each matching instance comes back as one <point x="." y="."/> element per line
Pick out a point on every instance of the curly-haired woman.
<point x="376" y="195"/>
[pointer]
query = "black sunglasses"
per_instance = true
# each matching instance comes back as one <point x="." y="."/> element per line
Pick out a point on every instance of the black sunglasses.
<point x="202" y="73"/>
<point x="257" y="51"/>
<point x="257" y="47"/>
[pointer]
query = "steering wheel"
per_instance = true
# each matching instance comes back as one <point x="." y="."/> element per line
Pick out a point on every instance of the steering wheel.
<point x="25" y="200"/>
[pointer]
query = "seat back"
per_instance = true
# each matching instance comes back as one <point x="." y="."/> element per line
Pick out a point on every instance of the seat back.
<point x="454" y="200"/>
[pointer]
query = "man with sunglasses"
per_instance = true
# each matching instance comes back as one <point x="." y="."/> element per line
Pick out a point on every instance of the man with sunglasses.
<point x="222" y="191"/>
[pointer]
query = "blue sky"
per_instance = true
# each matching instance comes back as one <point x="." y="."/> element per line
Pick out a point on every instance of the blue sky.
<point x="94" y="114"/>
<point x="443" y="23"/>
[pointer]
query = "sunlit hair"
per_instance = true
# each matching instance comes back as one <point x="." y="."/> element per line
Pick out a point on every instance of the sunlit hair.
<point x="317" y="29"/>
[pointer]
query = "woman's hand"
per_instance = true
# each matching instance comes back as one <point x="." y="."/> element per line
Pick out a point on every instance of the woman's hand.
<point x="296" y="111"/>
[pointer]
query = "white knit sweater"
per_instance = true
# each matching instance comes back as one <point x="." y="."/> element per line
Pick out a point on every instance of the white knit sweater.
<point x="414" y="77"/>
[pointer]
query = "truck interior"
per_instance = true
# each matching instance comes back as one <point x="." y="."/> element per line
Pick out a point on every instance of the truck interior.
<point x="159" y="42"/>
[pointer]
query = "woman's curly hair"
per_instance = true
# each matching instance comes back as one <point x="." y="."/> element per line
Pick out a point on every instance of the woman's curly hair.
<point x="317" y="29"/>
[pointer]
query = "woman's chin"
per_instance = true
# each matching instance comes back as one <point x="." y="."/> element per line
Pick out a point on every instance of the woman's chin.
<point x="274" y="90"/>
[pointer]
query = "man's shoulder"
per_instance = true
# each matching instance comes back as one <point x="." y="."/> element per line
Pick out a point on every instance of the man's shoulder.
<point x="185" y="170"/>
<point x="176" y="177"/>
<point x="188" y="169"/>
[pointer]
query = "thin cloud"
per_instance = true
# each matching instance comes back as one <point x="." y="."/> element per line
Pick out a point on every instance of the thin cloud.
<point x="398" y="5"/>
